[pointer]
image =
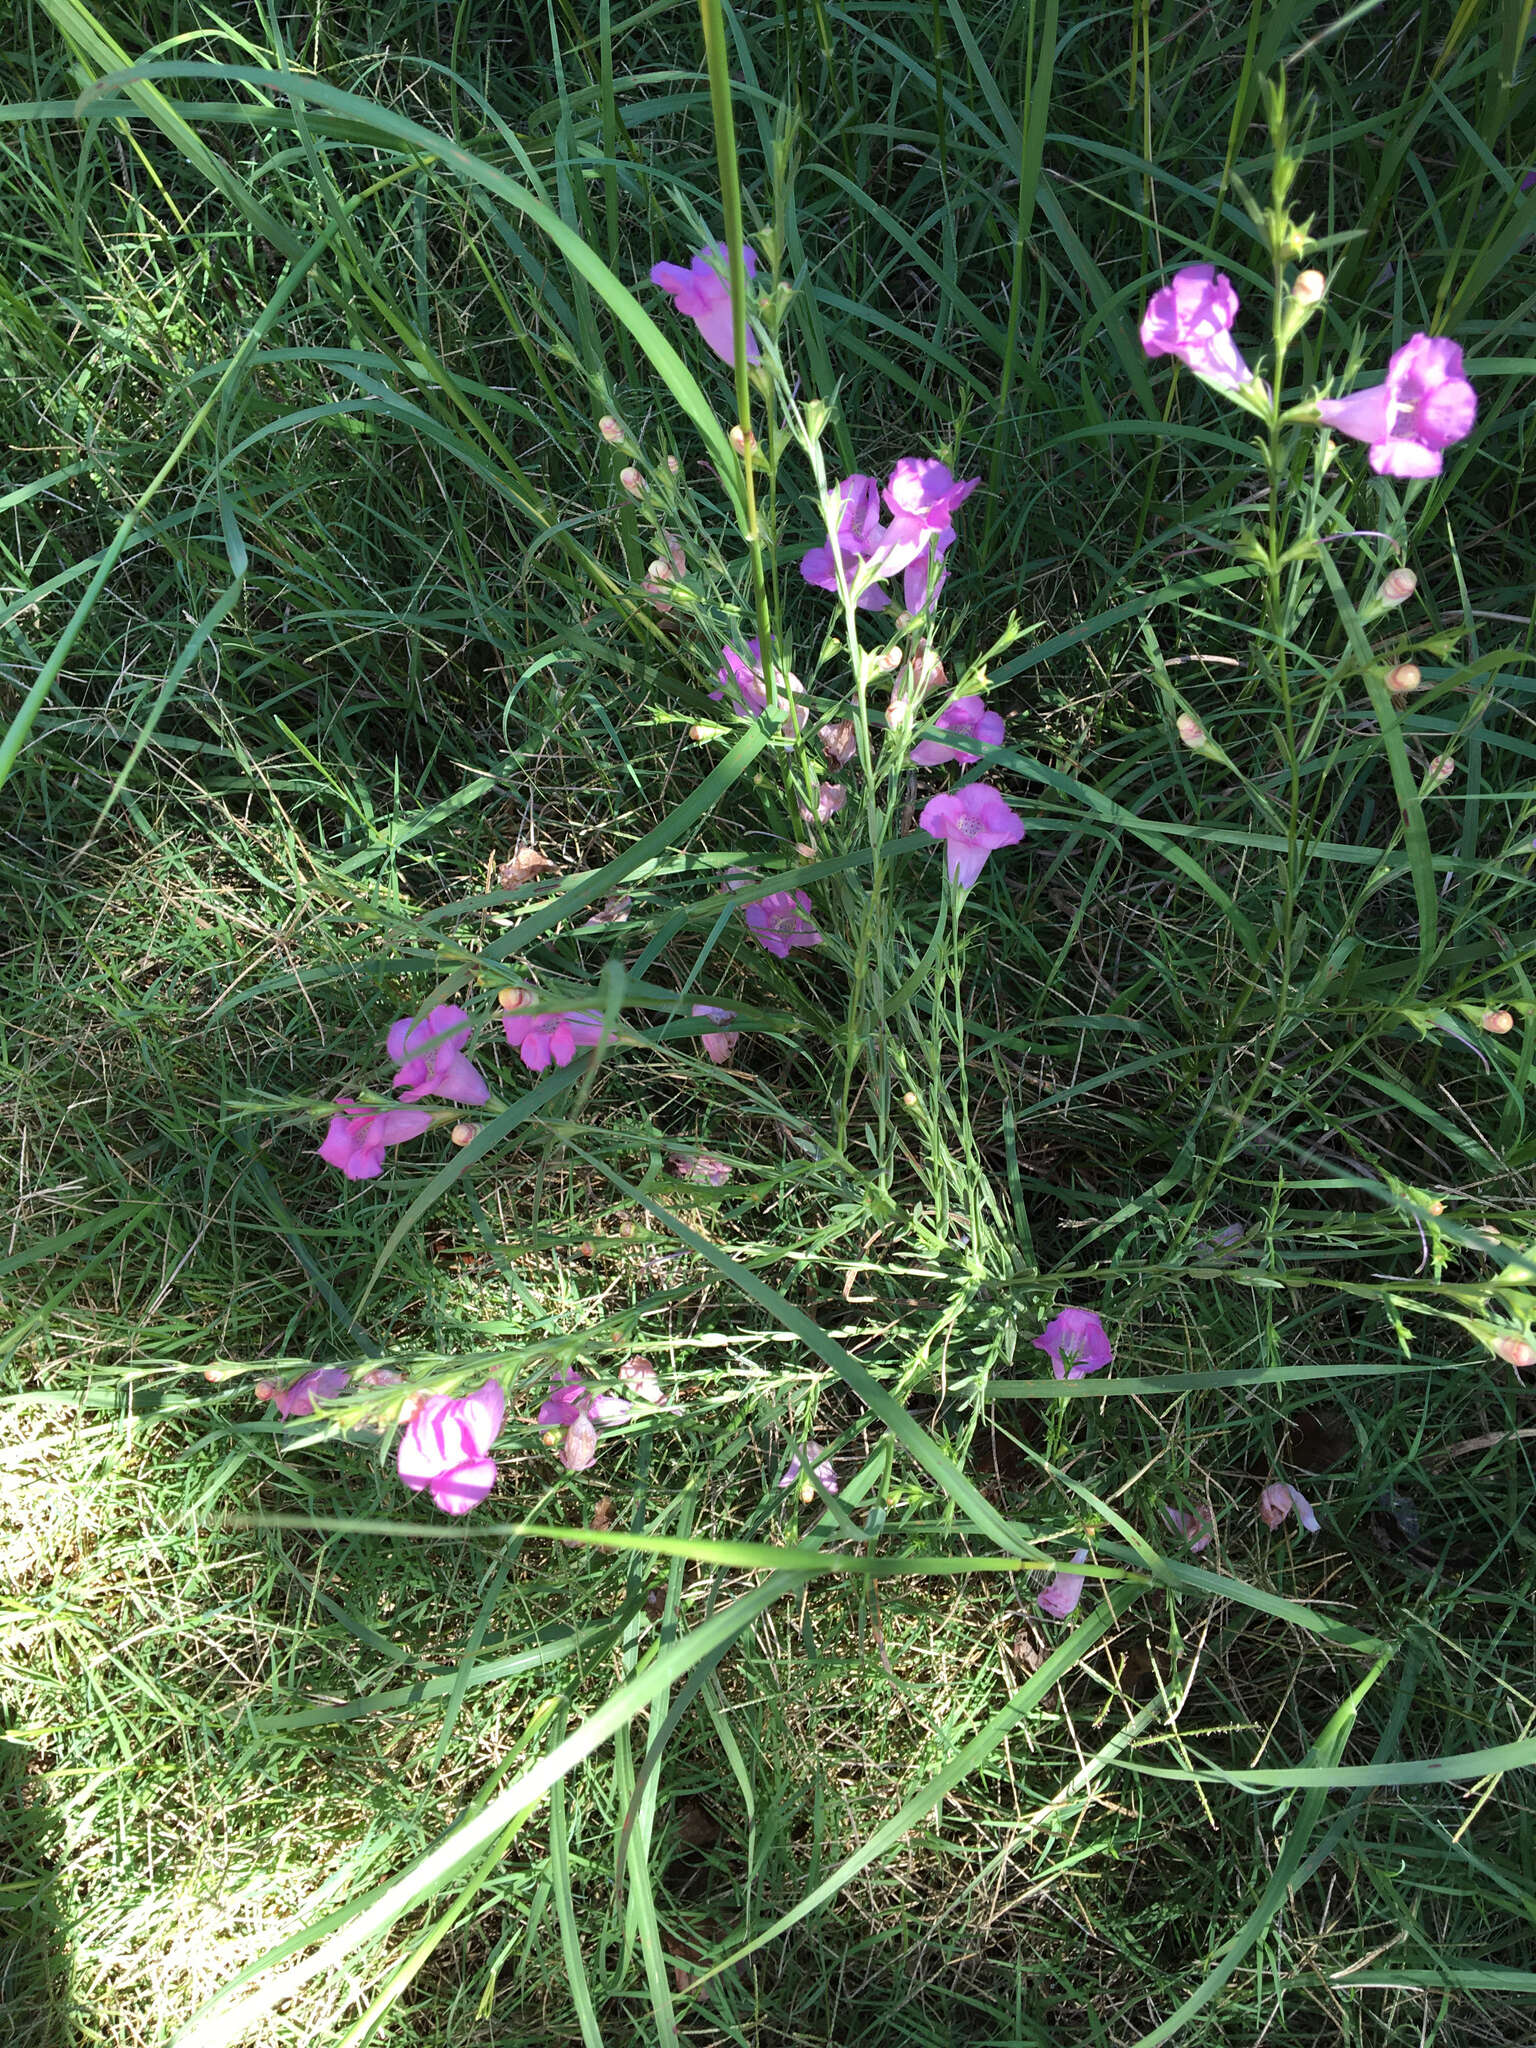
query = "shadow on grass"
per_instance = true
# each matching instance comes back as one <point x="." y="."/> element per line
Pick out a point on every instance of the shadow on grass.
<point x="34" y="1963"/>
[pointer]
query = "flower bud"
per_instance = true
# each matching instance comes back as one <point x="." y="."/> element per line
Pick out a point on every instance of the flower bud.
<point x="1309" y="288"/>
<point x="1515" y="1351"/>
<point x="1437" y="1208"/>
<point x="888" y="660"/>
<point x="1406" y="676"/>
<point x="514" y="998"/>
<point x="464" y="1134"/>
<point x="1191" y="731"/>
<point x="1397" y="588"/>
<point x="1442" y="768"/>
<point x="1497" y="1021"/>
<point x="673" y="465"/>
<point x="909" y="1100"/>
<point x="741" y="441"/>
<point x="661" y="571"/>
<point x="632" y="481"/>
<point x="610" y="430"/>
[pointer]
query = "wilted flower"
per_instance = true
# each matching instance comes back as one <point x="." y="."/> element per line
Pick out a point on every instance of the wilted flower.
<point x="1059" y="1600"/>
<point x="433" y="1051"/>
<point x="839" y="742"/>
<point x="973" y="822"/>
<point x="1076" y="1343"/>
<point x="357" y="1139"/>
<point x="743" y="688"/>
<point x="703" y="1167"/>
<point x="1276" y="1502"/>
<point x="664" y="570"/>
<point x="702" y="294"/>
<point x="573" y="1408"/>
<point x="782" y="921"/>
<point x="639" y="1375"/>
<point x="1423" y="407"/>
<point x="300" y="1395"/>
<point x="969" y="717"/>
<point x="445" y="1447"/>
<point x="1195" y="1527"/>
<point x="1191" y="318"/>
<point x="830" y="799"/>
<point x="719" y="1045"/>
<point x="825" y="1471"/>
<point x="550" y="1037"/>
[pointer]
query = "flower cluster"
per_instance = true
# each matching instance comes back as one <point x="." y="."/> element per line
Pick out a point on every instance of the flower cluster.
<point x="922" y="497"/>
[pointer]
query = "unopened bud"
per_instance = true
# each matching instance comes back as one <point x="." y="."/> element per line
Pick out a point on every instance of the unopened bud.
<point x="632" y="481"/>
<point x="464" y="1134"/>
<point x="673" y="465"/>
<point x="1397" y="588"/>
<point x="1498" y="1022"/>
<point x="610" y="429"/>
<point x="909" y="1100"/>
<point x="661" y="570"/>
<point x="1309" y="288"/>
<point x="1437" y="1208"/>
<point x="741" y="441"/>
<point x="514" y="998"/>
<point x="552" y="1439"/>
<point x="1191" y="731"/>
<point x="1515" y="1351"/>
<point x="888" y="660"/>
<point x="1406" y="676"/>
<point x="1442" y="768"/>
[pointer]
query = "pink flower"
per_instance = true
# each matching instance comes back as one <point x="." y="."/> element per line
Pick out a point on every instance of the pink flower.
<point x="433" y="1051"/>
<point x="639" y="1375"/>
<point x="1076" y="1342"/>
<point x="1196" y="1528"/>
<point x="1192" y="319"/>
<point x="967" y="715"/>
<point x="1059" y="1600"/>
<point x="973" y="822"/>
<point x="703" y="1167"/>
<point x="830" y="799"/>
<point x="825" y="1471"/>
<point x="1424" y="405"/>
<point x="445" y="1447"/>
<point x="300" y="1395"/>
<point x="357" y="1139"/>
<point x="719" y="1045"/>
<point x="580" y="1414"/>
<point x="1276" y="1502"/>
<point x="856" y="534"/>
<point x="923" y="497"/>
<point x="551" y="1036"/>
<point x="742" y="686"/>
<point x="783" y="920"/>
<point x="702" y="293"/>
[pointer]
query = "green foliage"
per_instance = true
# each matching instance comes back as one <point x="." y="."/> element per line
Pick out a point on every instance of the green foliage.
<point x="320" y="596"/>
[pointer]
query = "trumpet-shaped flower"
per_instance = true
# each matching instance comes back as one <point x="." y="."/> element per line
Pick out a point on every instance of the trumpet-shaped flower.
<point x="719" y="1045"/>
<point x="969" y="717"/>
<point x="702" y="294"/>
<point x="856" y="534"/>
<point x="1191" y="318"/>
<point x="551" y="1037"/>
<point x="782" y="921"/>
<point x="1195" y="1526"/>
<point x="432" y="1048"/>
<point x="357" y="1139"/>
<point x="299" y="1396"/>
<point x="1276" y="1502"/>
<point x="1059" y="1600"/>
<point x="1424" y="405"/>
<point x="579" y="1414"/>
<point x="823" y="1467"/>
<point x="445" y="1447"/>
<point x="1076" y="1343"/>
<point x="973" y="822"/>
<point x="742" y="686"/>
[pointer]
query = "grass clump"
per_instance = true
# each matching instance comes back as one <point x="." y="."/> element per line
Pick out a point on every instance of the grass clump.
<point x="329" y="603"/>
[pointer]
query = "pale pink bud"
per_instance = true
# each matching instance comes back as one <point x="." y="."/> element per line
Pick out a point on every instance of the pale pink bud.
<point x="1309" y="288"/>
<point x="889" y="659"/>
<point x="673" y="465"/>
<point x="1497" y="1021"/>
<point x="632" y="481"/>
<point x="1515" y="1351"/>
<point x="464" y="1134"/>
<point x="1406" y="676"/>
<point x="610" y="429"/>
<point x="1397" y="588"/>
<point x="741" y="442"/>
<point x="1442" y="768"/>
<point x="514" y="998"/>
<point x="1191" y="731"/>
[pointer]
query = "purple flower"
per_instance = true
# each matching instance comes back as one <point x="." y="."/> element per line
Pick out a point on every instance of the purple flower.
<point x="1424" y="405"/>
<point x="922" y="496"/>
<point x="925" y="576"/>
<point x="1059" y="1600"/>
<point x="445" y="1447"/>
<point x="967" y="715"/>
<point x="973" y="822"/>
<point x="432" y="1048"/>
<point x="856" y="534"/>
<point x="1276" y="1502"/>
<point x="783" y="920"/>
<point x="830" y="799"/>
<point x="703" y="1167"/>
<point x="1076" y="1342"/>
<point x="1196" y="1528"/>
<point x="357" y="1139"/>
<point x="300" y="1395"/>
<point x="743" y="688"/>
<point x="719" y="1045"/>
<point x="825" y="1471"/>
<point x="579" y="1413"/>
<point x="702" y="293"/>
<point x="551" y="1036"/>
<point x="1192" y="319"/>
